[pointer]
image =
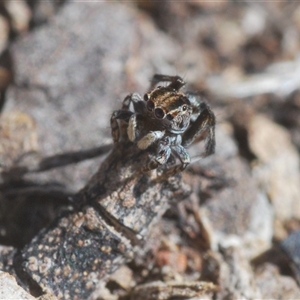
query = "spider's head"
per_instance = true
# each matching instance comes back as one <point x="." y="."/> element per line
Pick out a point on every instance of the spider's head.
<point x="169" y="107"/>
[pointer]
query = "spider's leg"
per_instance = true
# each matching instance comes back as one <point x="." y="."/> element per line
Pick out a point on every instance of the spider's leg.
<point x="196" y="100"/>
<point x="150" y="138"/>
<point x="124" y="114"/>
<point x="126" y="102"/>
<point x="184" y="157"/>
<point x="115" y="129"/>
<point x="136" y="100"/>
<point x="176" y="82"/>
<point x="163" y="150"/>
<point x="205" y="123"/>
<point x="163" y="154"/>
<point x="151" y="165"/>
<point x="138" y="107"/>
<point x="138" y="103"/>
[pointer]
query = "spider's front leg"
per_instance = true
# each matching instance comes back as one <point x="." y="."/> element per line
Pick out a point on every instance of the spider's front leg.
<point x="125" y="115"/>
<point x="116" y="131"/>
<point x="182" y="154"/>
<point x="163" y="153"/>
<point x="184" y="158"/>
<point x="136" y="121"/>
<point x="205" y="123"/>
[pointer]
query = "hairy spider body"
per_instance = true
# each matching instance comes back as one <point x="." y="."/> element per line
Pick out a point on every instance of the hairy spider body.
<point x="166" y="119"/>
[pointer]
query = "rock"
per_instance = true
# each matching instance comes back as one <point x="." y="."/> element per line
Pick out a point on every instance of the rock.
<point x="291" y="247"/>
<point x="42" y="11"/>
<point x="9" y="289"/>
<point x="158" y="290"/>
<point x="235" y="212"/>
<point x="6" y="256"/>
<point x="254" y="20"/>
<point x="123" y="277"/>
<point x="18" y="137"/>
<point x="239" y="215"/>
<point x="4" y="33"/>
<point x="238" y="281"/>
<point x="20" y="15"/>
<point x="72" y="73"/>
<point x="277" y="166"/>
<point x="5" y="77"/>
<point x="236" y="277"/>
<point x="273" y="285"/>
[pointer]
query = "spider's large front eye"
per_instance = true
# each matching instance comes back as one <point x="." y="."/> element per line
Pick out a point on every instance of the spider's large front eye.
<point x="150" y="105"/>
<point x="159" y="113"/>
<point x="184" y="107"/>
<point x="146" y="97"/>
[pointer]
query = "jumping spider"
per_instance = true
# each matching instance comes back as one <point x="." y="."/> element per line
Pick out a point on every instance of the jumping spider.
<point x="168" y="120"/>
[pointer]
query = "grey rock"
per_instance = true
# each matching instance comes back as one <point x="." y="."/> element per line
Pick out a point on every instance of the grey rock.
<point x="9" y="289"/>
<point x="72" y="73"/>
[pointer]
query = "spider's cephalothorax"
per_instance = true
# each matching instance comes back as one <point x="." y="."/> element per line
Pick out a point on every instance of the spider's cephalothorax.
<point x="169" y="108"/>
<point x="166" y="119"/>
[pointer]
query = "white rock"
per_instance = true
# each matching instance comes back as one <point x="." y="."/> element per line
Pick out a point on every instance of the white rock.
<point x="9" y="289"/>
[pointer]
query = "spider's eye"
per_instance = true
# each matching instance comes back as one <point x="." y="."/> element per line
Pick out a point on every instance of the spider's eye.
<point x="184" y="107"/>
<point x="150" y="105"/>
<point x="170" y="117"/>
<point x="159" y="113"/>
<point x="146" y="97"/>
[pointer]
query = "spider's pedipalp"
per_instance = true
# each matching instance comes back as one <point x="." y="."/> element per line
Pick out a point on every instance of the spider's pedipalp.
<point x="150" y="138"/>
<point x="115" y="128"/>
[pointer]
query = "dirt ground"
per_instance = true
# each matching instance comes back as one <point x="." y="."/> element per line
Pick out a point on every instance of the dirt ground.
<point x="65" y="66"/>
